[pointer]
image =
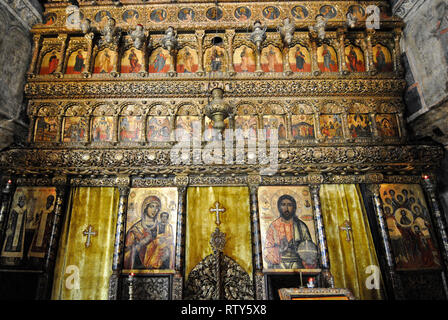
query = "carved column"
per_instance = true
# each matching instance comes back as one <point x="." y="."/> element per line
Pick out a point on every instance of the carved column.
<point x="144" y="50"/>
<point x="45" y="280"/>
<point x="258" y="61"/>
<point x="314" y="66"/>
<point x="31" y="127"/>
<point x="116" y="129"/>
<point x="63" y="38"/>
<point x="60" y="128"/>
<point x="173" y="62"/>
<point x="341" y="51"/>
<point x="230" y="34"/>
<point x="430" y="187"/>
<point x="402" y="126"/>
<point x="177" y="290"/>
<point x="365" y="50"/>
<point x="36" y="46"/>
<point x="4" y="208"/>
<point x="89" y="128"/>
<point x="117" y="261"/>
<point x="200" y="40"/>
<point x="286" y="67"/>
<point x="369" y="34"/>
<point x="398" y="67"/>
<point x="322" y="240"/>
<point x="374" y="190"/>
<point x="115" y="71"/>
<point x="260" y="288"/>
<point x="89" y="66"/>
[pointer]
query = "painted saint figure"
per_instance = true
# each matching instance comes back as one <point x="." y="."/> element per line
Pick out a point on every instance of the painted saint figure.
<point x="149" y="241"/>
<point x="159" y="62"/>
<point x="284" y="236"/>
<point x="133" y="62"/>
<point x="216" y="60"/>
<point x="300" y="60"/>
<point x="79" y="62"/>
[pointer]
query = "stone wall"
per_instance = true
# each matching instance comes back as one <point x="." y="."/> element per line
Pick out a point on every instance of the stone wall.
<point x="425" y="58"/>
<point x="16" y="19"/>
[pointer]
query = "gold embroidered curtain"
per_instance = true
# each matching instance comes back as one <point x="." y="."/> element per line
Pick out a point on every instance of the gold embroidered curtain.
<point x="348" y="259"/>
<point x="235" y="223"/>
<point x="92" y="266"/>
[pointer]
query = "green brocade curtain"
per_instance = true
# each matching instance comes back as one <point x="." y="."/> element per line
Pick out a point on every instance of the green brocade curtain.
<point x="348" y="259"/>
<point x="82" y="273"/>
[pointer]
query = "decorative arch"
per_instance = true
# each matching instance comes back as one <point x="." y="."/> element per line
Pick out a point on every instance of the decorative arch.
<point x="187" y="60"/>
<point x="159" y="61"/>
<point x="271" y="59"/>
<point x="354" y="58"/>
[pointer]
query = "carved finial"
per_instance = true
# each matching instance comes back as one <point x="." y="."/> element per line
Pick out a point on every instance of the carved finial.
<point x="110" y="34"/>
<point x="169" y="40"/>
<point x="138" y="36"/>
<point x="258" y="34"/>
<point x="287" y="31"/>
<point x="318" y="30"/>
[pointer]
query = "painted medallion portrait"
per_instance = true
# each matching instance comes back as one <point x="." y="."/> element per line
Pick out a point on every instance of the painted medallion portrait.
<point x="271" y="13"/>
<point x="50" y="63"/>
<point x="76" y="62"/>
<point x="271" y="59"/>
<point x="328" y="12"/>
<point x="46" y="129"/>
<point x="354" y="59"/>
<point x="105" y="61"/>
<point x="302" y="127"/>
<point x="214" y="14"/>
<point x="244" y="59"/>
<point x="159" y="128"/>
<point x="151" y="226"/>
<point x="75" y="129"/>
<point x="159" y="61"/>
<point x="186" y="14"/>
<point x="29" y="223"/>
<point x="187" y="60"/>
<point x="215" y="59"/>
<point x="271" y="122"/>
<point x="130" y="17"/>
<point x="130" y="128"/>
<point x="386" y="125"/>
<point x="287" y="229"/>
<point x="102" y="129"/>
<point x="132" y="61"/>
<point x="242" y="13"/>
<point x="299" y="59"/>
<point x="359" y="125"/>
<point x="299" y="12"/>
<point x="330" y="126"/>
<point x="158" y="15"/>
<point x="408" y="222"/>
<point x="101" y="17"/>
<point x="357" y="12"/>
<point x="327" y="60"/>
<point x="382" y="59"/>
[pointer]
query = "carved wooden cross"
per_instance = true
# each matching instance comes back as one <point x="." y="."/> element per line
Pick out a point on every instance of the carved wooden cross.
<point x="347" y="227"/>
<point x="217" y="210"/>
<point x="88" y="232"/>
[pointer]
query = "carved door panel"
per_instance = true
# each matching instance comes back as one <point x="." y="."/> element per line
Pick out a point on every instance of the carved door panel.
<point x="218" y="244"/>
